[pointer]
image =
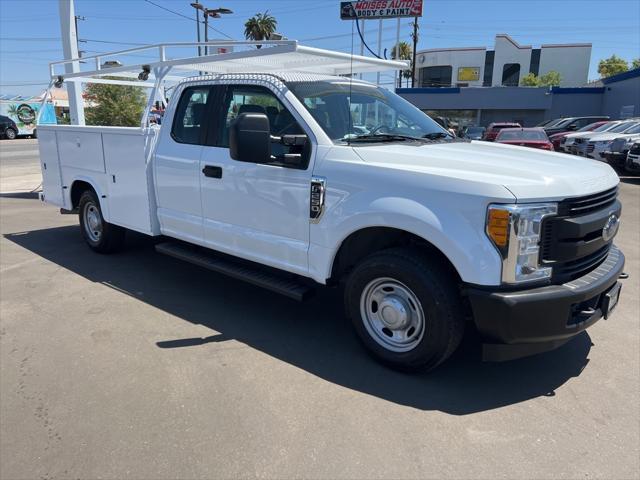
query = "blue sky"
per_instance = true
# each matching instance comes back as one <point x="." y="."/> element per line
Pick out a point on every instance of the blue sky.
<point x="30" y="29"/>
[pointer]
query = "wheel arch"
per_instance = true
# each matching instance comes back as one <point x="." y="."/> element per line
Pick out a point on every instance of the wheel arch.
<point x="365" y="241"/>
<point x="80" y="185"/>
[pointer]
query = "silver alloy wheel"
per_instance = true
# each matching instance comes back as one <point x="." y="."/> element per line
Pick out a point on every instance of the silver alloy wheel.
<point x="392" y="314"/>
<point x="10" y="133"/>
<point x="92" y="222"/>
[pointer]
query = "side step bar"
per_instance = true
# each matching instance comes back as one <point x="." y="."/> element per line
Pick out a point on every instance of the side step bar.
<point x="289" y="287"/>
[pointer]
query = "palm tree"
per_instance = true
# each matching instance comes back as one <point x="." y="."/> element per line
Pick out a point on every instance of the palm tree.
<point x="260" y="26"/>
<point x="402" y="51"/>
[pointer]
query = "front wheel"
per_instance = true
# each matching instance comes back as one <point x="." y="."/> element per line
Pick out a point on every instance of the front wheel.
<point x="10" y="134"/>
<point x="101" y="236"/>
<point x="406" y="308"/>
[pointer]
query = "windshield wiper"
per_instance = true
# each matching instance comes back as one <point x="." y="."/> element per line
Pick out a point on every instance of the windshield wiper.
<point x="436" y="135"/>
<point x="380" y="137"/>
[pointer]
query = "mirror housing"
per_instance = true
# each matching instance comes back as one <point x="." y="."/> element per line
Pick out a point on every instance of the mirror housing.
<point x="250" y="138"/>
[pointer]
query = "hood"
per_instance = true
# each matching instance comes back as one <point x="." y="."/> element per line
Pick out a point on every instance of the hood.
<point x="530" y="174"/>
<point x="607" y="136"/>
<point x="582" y="134"/>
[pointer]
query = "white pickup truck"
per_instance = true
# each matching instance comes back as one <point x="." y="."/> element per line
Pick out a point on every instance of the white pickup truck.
<point x="293" y="180"/>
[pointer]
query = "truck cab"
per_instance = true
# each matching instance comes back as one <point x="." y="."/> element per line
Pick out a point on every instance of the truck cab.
<point x="298" y="180"/>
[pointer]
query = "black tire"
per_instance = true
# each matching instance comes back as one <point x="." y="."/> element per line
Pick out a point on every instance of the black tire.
<point x="10" y="134"/>
<point x="104" y="237"/>
<point x="436" y="290"/>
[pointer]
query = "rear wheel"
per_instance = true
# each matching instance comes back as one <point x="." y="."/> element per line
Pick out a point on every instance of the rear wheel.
<point x="10" y="133"/>
<point x="405" y="308"/>
<point x="101" y="236"/>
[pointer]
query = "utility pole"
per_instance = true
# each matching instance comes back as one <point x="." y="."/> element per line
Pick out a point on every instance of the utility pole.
<point x="196" y="5"/>
<point x="76" y="18"/>
<point x="414" y="36"/>
<point x="70" y="50"/>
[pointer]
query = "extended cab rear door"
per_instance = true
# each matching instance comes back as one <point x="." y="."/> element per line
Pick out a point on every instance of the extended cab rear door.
<point x="177" y="165"/>
<point x="255" y="210"/>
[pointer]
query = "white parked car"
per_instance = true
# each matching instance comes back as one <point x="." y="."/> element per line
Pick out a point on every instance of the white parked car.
<point x="427" y="235"/>
<point x="570" y="139"/>
<point x="597" y="145"/>
<point x="580" y="144"/>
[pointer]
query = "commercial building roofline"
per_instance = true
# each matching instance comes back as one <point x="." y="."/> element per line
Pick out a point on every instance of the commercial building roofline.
<point x="622" y="76"/>
<point x="565" y="45"/>
<point x="515" y="44"/>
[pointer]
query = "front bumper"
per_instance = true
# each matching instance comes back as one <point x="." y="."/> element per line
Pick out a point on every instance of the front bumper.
<point x="524" y="322"/>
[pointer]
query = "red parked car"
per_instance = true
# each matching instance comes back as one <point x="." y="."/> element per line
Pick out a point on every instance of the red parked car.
<point x="494" y="128"/>
<point x="556" y="138"/>
<point x="525" y="137"/>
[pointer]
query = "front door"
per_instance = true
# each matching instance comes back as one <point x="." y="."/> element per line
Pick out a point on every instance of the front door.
<point x="255" y="210"/>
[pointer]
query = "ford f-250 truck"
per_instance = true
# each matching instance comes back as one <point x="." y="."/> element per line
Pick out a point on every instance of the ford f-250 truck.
<point x="290" y="179"/>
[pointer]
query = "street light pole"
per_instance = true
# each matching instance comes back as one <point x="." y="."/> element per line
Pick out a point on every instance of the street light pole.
<point x="206" y="13"/>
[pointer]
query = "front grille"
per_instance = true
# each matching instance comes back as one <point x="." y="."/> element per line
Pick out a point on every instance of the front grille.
<point x="617" y="145"/>
<point x="591" y="147"/>
<point x="573" y="255"/>
<point x="573" y="269"/>
<point x="588" y="203"/>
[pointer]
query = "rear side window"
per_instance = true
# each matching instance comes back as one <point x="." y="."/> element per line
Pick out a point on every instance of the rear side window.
<point x="189" y="120"/>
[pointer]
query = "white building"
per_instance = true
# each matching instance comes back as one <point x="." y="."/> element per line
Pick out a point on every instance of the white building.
<point x="506" y="64"/>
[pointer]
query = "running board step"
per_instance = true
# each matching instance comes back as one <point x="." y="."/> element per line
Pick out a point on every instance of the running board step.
<point x="289" y="287"/>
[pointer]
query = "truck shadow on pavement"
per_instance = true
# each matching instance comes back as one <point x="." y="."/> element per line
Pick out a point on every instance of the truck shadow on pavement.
<point x="313" y="336"/>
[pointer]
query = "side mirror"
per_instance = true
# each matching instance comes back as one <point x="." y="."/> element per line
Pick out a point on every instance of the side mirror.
<point x="250" y="138"/>
<point x="572" y="127"/>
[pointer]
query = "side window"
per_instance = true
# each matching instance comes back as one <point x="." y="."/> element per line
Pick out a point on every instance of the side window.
<point x="254" y="99"/>
<point x="188" y="122"/>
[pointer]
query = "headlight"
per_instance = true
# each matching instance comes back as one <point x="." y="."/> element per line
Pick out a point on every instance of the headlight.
<point x="515" y="231"/>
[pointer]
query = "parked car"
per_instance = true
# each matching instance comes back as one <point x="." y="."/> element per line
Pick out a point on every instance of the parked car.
<point x="573" y="124"/>
<point x="557" y="138"/>
<point x="473" y="133"/>
<point x="525" y="137"/>
<point x="580" y="145"/>
<point x="567" y="144"/>
<point x="617" y="152"/>
<point x="422" y="232"/>
<point x="493" y="129"/>
<point x="600" y="143"/>
<point x="8" y="128"/>
<point x="633" y="159"/>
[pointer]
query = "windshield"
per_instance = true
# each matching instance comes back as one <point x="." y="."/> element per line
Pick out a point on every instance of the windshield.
<point x="590" y="127"/>
<point x="622" y="127"/>
<point x="635" y="129"/>
<point x="563" y="123"/>
<point x="606" y="127"/>
<point x="506" y="135"/>
<point x="372" y="112"/>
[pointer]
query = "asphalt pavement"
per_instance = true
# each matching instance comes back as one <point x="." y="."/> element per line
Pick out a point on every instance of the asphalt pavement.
<point x="139" y="366"/>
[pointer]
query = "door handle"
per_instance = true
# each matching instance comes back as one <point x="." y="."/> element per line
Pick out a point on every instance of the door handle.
<point x="212" y="171"/>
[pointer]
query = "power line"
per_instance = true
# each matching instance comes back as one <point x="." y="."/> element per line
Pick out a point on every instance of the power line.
<point x="188" y="18"/>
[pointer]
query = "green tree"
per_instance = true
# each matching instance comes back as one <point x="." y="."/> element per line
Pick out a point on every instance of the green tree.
<point x="402" y="51"/>
<point x="260" y="26"/>
<point x="549" y="79"/>
<point x="117" y="105"/>
<point x="530" y="80"/>
<point x="613" y="65"/>
<point x="635" y="63"/>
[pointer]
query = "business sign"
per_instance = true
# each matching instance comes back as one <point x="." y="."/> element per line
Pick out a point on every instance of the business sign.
<point x="468" y="74"/>
<point x="366" y="9"/>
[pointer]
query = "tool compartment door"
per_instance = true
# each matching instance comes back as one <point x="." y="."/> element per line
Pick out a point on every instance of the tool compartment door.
<point x="127" y="187"/>
<point x="50" y="166"/>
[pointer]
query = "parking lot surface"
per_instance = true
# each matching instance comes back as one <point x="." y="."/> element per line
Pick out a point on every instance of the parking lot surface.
<point x="136" y="365"/>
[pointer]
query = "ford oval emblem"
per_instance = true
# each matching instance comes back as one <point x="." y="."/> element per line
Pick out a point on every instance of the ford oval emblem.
<point x="610" y="228"/>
